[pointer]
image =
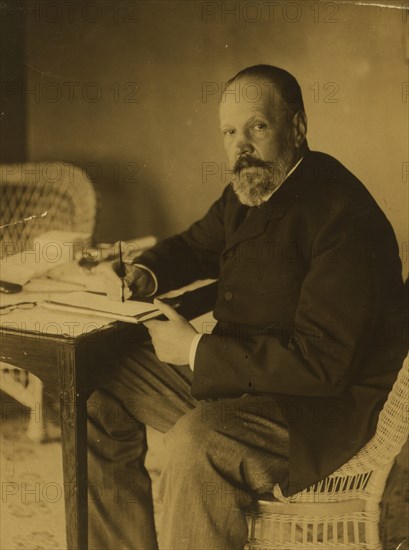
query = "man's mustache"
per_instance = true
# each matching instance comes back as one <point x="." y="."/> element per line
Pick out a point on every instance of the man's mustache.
<point x="248" y="161"/>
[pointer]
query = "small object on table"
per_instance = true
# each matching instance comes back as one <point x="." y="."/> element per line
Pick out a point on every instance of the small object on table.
<point x="10" y="288"/>
<point x="91" y="256"/>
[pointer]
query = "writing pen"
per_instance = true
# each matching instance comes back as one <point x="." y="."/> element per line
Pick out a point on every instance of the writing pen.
<point x="122" y="272"/>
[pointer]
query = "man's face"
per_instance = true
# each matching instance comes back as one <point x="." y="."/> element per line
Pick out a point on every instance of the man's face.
<point x="258" y="139"/>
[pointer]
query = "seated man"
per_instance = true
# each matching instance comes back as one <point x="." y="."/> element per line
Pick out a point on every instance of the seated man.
<point x="307" y="343"/>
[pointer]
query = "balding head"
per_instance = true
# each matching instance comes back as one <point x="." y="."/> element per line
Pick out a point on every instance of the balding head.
<point x="268" y="79"/>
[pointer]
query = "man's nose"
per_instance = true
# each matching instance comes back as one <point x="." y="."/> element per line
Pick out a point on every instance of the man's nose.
<point x="243" y="145"/>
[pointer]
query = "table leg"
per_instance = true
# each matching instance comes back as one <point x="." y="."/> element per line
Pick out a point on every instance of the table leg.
<point x="74" y="447"/>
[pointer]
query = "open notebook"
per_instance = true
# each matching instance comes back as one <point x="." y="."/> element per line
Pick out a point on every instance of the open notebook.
<point x="101" y="306"/>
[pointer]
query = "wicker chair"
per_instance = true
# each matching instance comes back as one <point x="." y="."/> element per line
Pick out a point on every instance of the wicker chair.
<point x="343" y="510"/>
<point x="68" y="196"/>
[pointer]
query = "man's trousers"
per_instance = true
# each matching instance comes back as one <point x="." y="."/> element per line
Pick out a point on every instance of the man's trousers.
<point x="221" y="455"/>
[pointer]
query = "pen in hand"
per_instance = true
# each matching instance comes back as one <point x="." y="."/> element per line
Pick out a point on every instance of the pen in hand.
<point x="122" y="272"/>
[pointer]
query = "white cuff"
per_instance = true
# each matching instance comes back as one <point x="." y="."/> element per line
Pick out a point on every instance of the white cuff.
<point x="155" y="280"/>
<point x="192" y="351"/>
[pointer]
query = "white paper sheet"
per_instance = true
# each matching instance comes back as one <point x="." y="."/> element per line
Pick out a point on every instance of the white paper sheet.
<point x="88" y="303"/>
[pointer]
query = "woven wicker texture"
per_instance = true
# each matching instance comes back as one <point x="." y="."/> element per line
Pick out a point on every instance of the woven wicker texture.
<point x="341" y="511"/>
<point x="26" y="190"/>
<point x="60" y="189"/>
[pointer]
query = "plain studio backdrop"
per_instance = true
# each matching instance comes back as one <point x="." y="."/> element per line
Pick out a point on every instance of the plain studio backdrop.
<point x="130" y="91"/>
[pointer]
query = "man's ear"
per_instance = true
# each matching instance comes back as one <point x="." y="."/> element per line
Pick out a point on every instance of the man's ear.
<point x="299" y="128"/>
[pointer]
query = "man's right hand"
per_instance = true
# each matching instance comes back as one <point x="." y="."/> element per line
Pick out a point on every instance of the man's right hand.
<point x="138" y="281"/>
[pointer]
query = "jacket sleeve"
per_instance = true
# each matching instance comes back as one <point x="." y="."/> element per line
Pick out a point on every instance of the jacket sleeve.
<point x="352" y="263"/>
<point x="191" y="255"/>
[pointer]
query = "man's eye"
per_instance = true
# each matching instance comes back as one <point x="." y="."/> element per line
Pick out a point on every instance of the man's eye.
<point x="260" y="127"/>
<point x="228" y="132"/>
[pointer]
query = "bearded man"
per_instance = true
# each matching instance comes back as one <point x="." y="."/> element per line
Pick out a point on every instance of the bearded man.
<point x="307" y="344"/>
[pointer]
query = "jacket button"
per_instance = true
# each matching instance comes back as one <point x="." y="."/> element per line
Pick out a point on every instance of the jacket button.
<point x="228" y="295"/>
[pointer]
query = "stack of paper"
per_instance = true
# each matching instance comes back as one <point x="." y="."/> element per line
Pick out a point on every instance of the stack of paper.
<point x="49" y="250"/>
<point x="101" y="306"/>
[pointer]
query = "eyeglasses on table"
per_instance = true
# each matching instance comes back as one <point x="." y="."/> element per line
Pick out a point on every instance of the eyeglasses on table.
<point x="20" y="305"/>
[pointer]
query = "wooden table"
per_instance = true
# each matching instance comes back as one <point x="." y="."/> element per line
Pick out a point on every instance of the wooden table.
<point x="66" y="352"/>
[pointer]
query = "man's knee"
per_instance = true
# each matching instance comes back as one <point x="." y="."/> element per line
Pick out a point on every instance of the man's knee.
<point x="203" y="458"/>
<point x="106" y="413"/>
<point x="96" y="402"/>
<point x="190" y="439"/>
<point x="203" y="432"/>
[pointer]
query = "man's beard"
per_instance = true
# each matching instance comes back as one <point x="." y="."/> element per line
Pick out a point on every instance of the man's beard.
<point x="255" y="179"/>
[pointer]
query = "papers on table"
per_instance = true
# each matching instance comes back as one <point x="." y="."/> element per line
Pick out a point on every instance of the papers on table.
<point x="68" y="318"/>
<point x="101" y="306"/>
<point x="49" y="250"/>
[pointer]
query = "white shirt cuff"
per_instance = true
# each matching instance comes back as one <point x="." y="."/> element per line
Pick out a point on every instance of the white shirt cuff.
<point x="192" y="351"/>
<point x="152" y="274"/>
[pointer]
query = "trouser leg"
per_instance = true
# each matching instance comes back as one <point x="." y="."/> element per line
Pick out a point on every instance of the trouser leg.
<point x="222" y="455"/>
<point x="141" y="390"/>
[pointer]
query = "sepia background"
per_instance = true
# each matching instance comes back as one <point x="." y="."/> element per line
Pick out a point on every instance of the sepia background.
<point x="129" y="91"/>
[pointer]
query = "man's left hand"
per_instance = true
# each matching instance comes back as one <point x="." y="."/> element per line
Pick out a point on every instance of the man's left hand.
<point x="171" y="339"/>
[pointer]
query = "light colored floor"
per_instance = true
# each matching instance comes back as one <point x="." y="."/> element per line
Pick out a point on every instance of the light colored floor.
<point x="32" y="501"/>
<point x="32" y="506"/>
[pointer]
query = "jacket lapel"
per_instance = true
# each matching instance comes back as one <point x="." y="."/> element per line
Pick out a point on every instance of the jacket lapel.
<point x="253" y="225"/>
<point x="275" y="208"/>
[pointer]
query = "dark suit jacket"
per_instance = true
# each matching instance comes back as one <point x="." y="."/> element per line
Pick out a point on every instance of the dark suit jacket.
<point x="310" y="308"/>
